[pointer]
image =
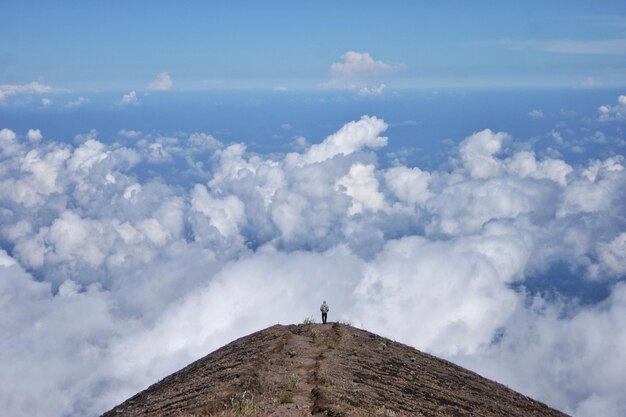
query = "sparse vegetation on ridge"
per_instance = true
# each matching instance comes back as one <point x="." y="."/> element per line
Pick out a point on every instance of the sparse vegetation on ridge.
<point x="244" y="403"/>
<point x="308" y="321"/>
<point x="294" y="380"/>
<point x="287" y="398"/>
<point x="382" y="411"/>
<point x="310" y="330"/>
<point x="256" y="376"/>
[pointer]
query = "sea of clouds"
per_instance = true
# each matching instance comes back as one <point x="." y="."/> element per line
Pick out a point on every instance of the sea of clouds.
<point x="114" y="272"/>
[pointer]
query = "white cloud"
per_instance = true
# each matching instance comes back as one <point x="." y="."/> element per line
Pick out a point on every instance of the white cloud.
<point x="300" y="142"/>
<point x="357" y="71"/>
<point x="613" y="255"/>
<point x="525" y="165"/>
<point x="129" y="99"/>
<point x="46" y="102"/>
<point x="410" y="185"/>
<point x="39" y="179"/>
<point x="358" y="64"/>
<point x="461" y="285"/>
<point x="536" y="114"/>
<point x="590" y="82"/>
<point x="350" y="138"/>
<point x="608" y="113"/>
<point x="8" y="142"/>
<point x="34" y="135"/>
<point x="479" y="153"/>
<point x="162" y="82"/>
<point x="69" y="240"/>
<point x="102" y="263"/>
<point x="226" y="214"/>
<point x="75" y="104"/>
<point x="361" y="185"/>
<point x="572" y="351"/>
<point x="34" y="87"/>
<point x="557" y="136"/>
<point x="129" y="134"/>
<point x="87" y="156"/>
<point x="595" y="188"/>
<point x="372" y="91"/>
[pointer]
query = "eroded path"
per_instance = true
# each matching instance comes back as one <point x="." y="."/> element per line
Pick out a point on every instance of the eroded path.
<point x="305" y="351"/>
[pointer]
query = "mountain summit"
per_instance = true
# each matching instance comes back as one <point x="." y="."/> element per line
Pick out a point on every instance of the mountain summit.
<point x="325" y="370"/>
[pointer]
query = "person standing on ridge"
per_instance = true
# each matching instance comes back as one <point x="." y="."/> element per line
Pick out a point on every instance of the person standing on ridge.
<point x="324" y="309"/>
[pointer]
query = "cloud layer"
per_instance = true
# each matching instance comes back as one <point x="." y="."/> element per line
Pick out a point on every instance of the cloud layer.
<point x="34" y="87"/>
<point x="113" y="277"/>
<point x="565" y="46"/>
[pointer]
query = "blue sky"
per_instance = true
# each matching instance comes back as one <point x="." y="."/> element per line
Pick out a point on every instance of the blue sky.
<point x="87" y="46"/>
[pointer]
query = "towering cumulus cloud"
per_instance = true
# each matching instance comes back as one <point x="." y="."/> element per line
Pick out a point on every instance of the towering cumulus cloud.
<point x="111" y="278"/>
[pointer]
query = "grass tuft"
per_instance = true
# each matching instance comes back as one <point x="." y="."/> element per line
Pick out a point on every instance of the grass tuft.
<point x="308" y="327"/>
<point x="287" y="398"/>
<point x="244" y="403"/>
<point x="385" y="412"/>
<point x="294" y="380"/>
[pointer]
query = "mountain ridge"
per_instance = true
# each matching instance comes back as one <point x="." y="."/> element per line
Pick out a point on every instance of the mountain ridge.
<point x="325" y="370"/>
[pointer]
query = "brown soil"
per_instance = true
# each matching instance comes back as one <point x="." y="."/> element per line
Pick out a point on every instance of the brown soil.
<point x="326" y="370"/>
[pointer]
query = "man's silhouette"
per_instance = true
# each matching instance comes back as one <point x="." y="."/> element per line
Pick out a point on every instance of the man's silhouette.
<point x="324" y="309"/>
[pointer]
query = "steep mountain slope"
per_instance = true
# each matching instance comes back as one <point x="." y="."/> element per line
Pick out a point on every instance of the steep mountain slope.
<point x="325" y="370"/>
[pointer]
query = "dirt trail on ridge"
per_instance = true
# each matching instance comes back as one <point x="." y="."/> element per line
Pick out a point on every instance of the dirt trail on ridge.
<point x="330" y="370"/>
